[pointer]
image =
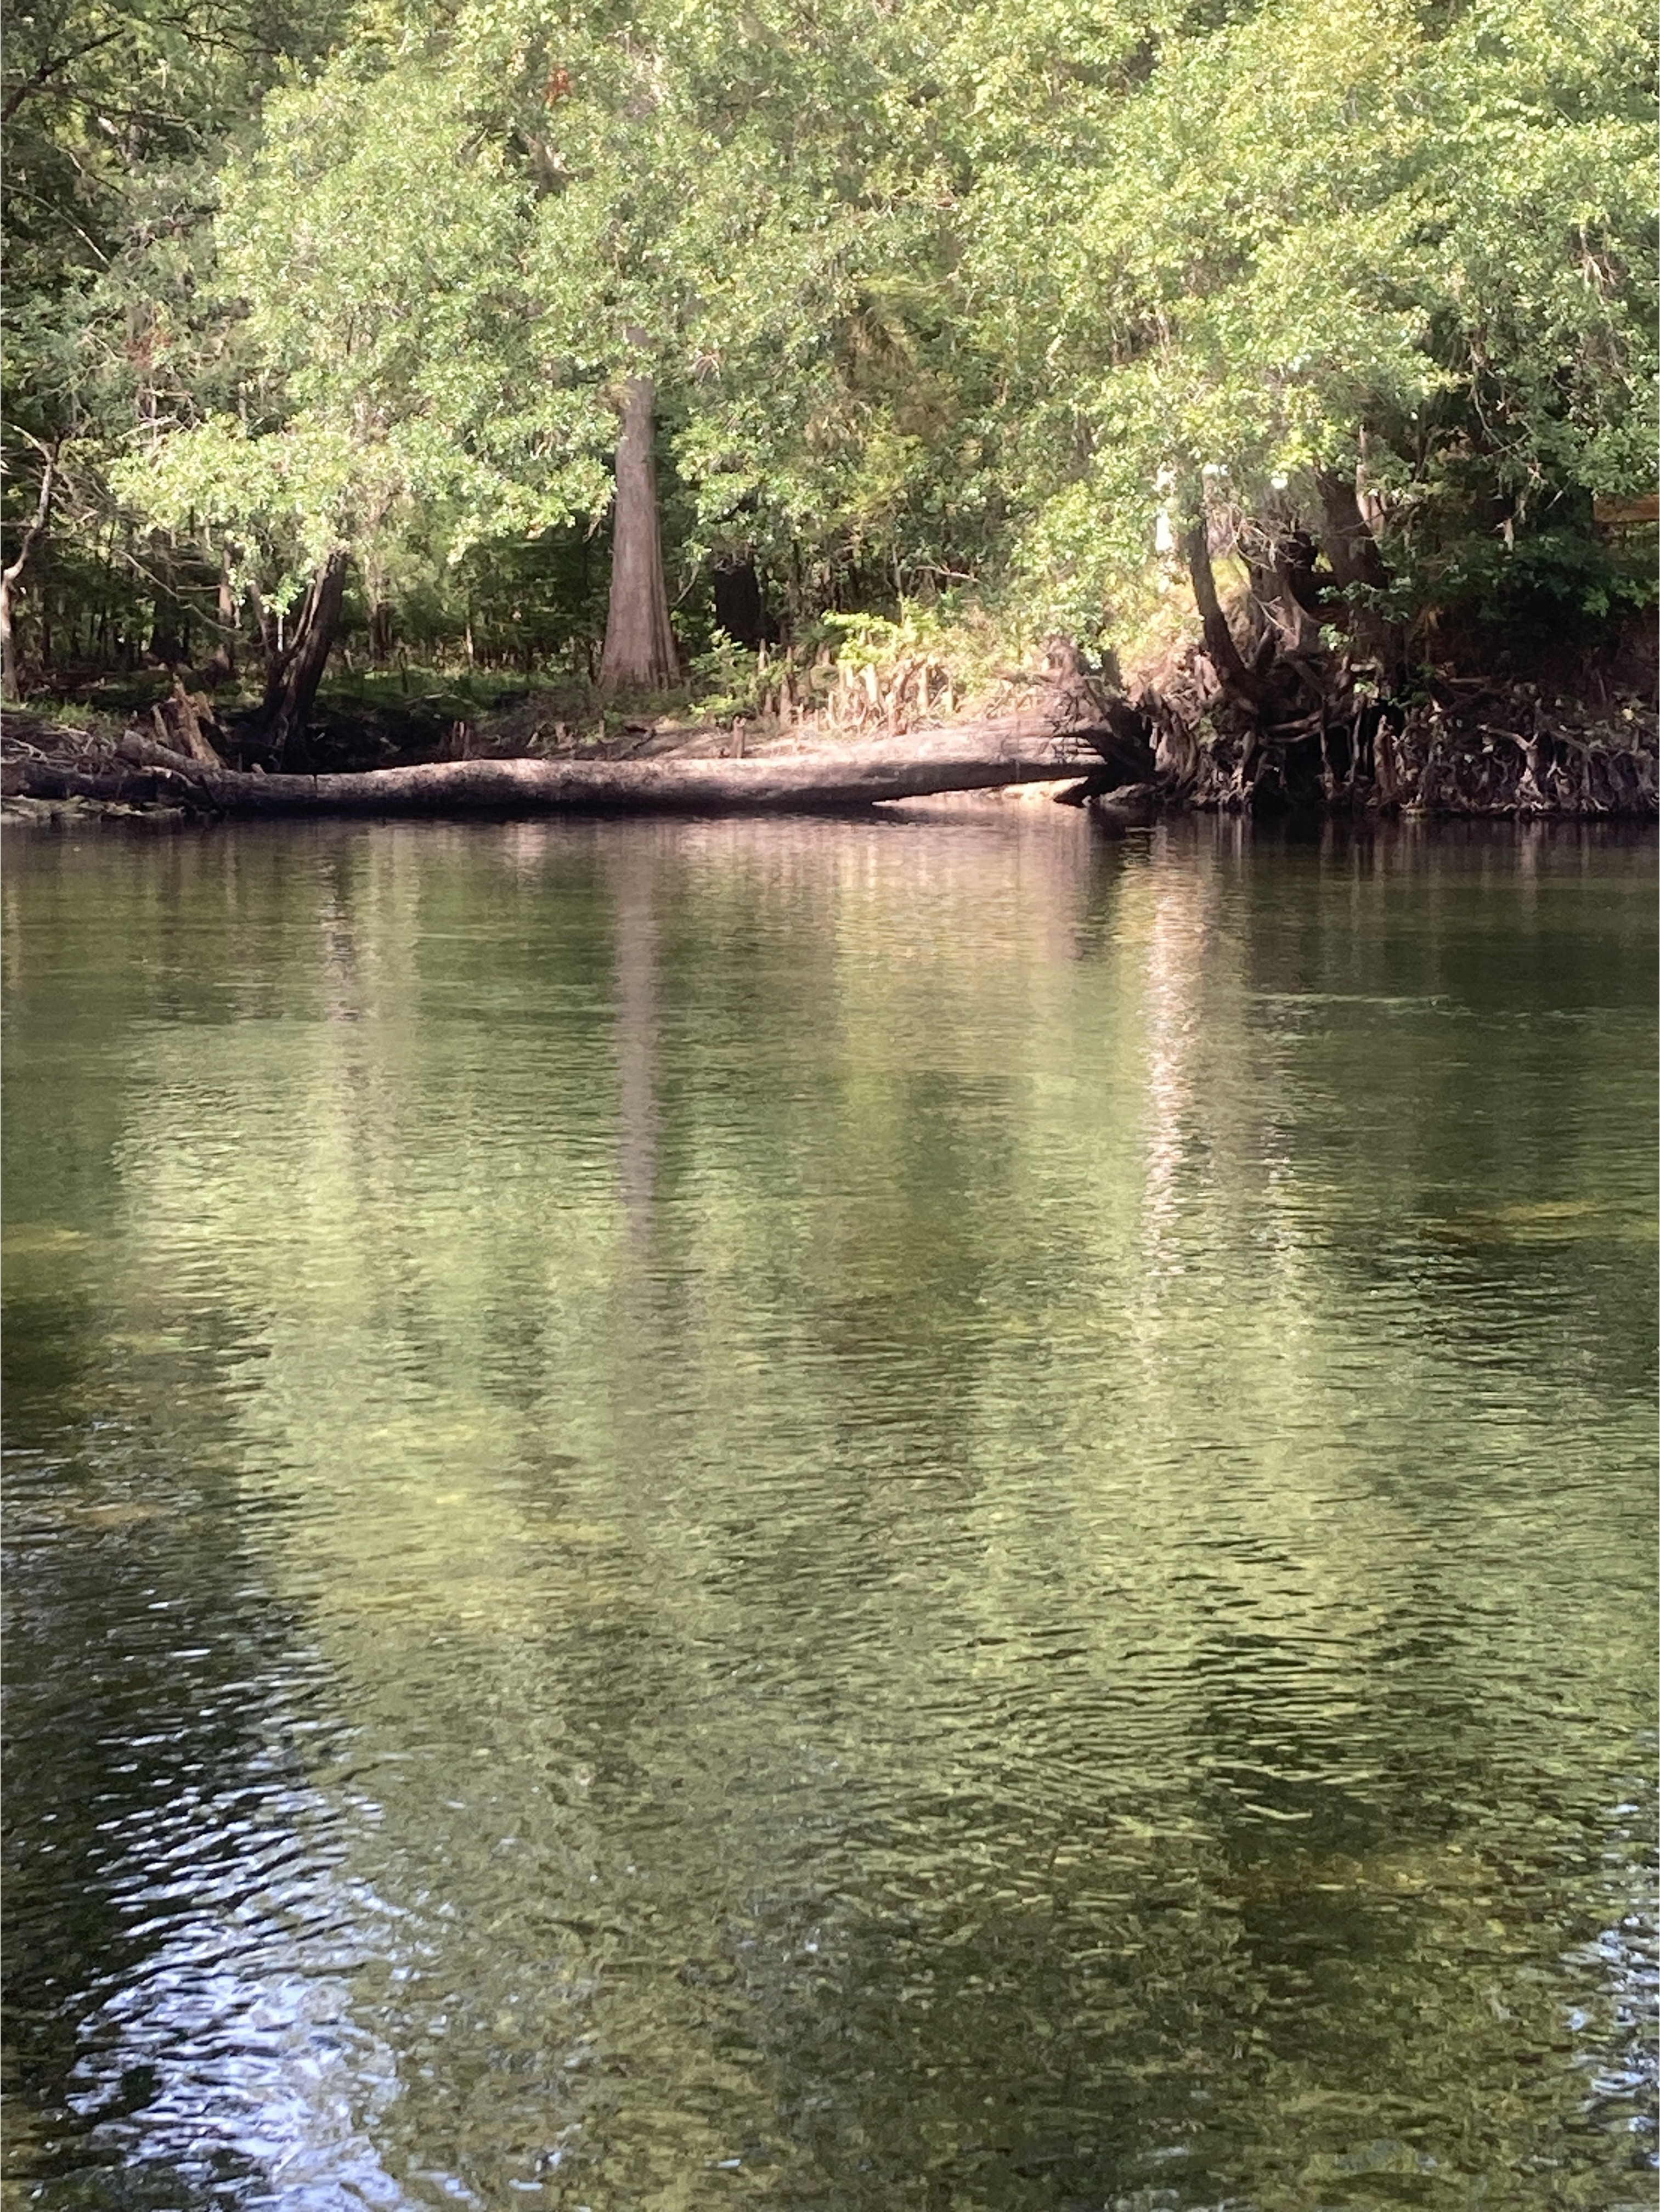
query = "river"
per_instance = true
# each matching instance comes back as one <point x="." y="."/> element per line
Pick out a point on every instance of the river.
<point x="925" y="1512"/>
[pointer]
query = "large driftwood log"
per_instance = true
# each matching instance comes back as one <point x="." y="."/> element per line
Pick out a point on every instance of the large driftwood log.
<point x="111" y="785"/>
<point x="971" y="757"/>
<point x="1472" y="748"/>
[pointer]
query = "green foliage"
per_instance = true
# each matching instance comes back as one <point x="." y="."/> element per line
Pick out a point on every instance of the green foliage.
<point x="941" y="305"/>
<point x="1560" y="579"/>
<point x="119" y="116"/>
<point x="727" y="680"/>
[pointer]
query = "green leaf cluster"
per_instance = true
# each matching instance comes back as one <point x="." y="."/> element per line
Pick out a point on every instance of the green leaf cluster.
<point x="939" y="299"/>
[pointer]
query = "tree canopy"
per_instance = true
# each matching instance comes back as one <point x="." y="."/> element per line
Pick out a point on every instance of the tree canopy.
<point x="960" y="305"/>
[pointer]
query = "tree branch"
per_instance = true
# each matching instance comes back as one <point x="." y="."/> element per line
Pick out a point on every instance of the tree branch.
<point x="49" y="67"/>
<point x="42" y="509"/>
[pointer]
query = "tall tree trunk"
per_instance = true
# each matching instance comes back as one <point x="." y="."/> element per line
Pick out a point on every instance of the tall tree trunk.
<point x="740" y="610"/>
<point x="1231" y="672"/>
<point x="639" y="643"/>
<point x="1356" y="559"/>
<point x="222" y="661"/>
<point x="296" y="672"/>
<point x="10" y="575"/>
<point x="167" y="641"/>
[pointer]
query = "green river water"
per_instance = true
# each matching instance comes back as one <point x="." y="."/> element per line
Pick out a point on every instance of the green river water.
<point x="926" y="1512"/>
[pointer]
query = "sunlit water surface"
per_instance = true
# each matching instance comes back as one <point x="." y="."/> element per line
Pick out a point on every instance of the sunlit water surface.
<point x="920" y="1513"/>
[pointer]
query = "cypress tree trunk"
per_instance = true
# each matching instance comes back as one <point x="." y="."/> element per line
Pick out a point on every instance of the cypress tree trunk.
<point x="222" y="661"/>
<point x="296" y="672"/>
<point x="1286" y="585"/>
<point x="166" y="646"/>
<point x="1226" y="656"/>
<point x="1355" y="557"/>
<point x="639" y="643"/>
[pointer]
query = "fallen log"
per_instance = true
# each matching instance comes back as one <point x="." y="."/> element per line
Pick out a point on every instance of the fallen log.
<point x="1448" y="755"/>
<point x="974" y="757"/>
<point x="109" y="783"/>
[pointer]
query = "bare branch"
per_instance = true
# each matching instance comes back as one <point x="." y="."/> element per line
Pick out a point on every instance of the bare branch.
<point x="42" y="509"/>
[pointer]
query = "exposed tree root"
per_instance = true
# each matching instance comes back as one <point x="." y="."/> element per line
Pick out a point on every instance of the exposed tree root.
<point x="1319" y="734"/>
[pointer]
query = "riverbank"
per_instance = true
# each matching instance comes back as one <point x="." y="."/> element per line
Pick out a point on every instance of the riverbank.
<point x="1239" y="723"/>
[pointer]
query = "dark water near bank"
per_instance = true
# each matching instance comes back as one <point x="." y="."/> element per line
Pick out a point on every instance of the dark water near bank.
<point x="923" y="1514"/>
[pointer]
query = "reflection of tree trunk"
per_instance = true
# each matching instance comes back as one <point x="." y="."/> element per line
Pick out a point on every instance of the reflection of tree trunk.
<point x="633" y="879"/>
<point x="1357" y="560"/>
<point x="10" y="575"/>
<point x="295" y="673"/>
<point x="639" y="643"/>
